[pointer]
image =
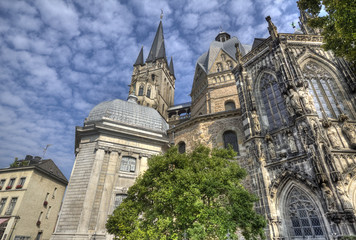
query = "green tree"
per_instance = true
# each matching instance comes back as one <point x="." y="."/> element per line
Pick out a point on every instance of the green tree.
<point x="198" y="195"/>
<point x="338" y="26"/>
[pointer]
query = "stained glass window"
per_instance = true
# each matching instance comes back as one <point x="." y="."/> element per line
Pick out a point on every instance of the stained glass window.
<point x="230" y="138"/>
<point x="181" y="147"/>
<point x="303" y="214"/>
<point x="273" y="101"/>
<point x="326" y="94"/>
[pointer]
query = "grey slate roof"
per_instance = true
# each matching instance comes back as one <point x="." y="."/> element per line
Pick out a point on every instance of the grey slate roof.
<point x="158" y="49"/>
<point x="139" y="60"/>
<point x="128" y="113"/>
<point x="46" y="165"/>
<point x="257" y="42"/>
<point x="207" y="59"/>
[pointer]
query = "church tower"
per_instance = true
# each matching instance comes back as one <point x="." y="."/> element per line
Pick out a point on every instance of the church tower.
<point x="153" y="81"/>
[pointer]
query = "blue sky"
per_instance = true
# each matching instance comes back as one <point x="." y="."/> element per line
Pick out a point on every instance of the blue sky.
<point x="60" y="58"/>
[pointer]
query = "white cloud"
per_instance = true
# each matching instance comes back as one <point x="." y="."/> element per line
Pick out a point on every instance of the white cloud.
<point x="60" y="58"/>
<point x="59" y="15"/>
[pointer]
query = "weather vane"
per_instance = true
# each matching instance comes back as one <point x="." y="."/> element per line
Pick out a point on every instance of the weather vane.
<point x="45" y="150"/>
<point x="161" y="14"/>
<point x="221" y="29"/>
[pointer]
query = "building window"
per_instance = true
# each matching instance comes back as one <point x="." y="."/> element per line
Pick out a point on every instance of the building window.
<point x="48" y="212"/>
<point x="148" y="94"/>
<point x="11" y="183"/>
<point x="230" y="139"/>
<point x="272" y="101"/>
<point x="2" y="204"/>
<point x="2" y="183"/>
<point x="11" y="207"/>
<point x="39" y="235"/>
<point x="303" y="215"/>
<point x="54" y="193"/>
<point x="140" y="91"/>
<point x="119" y="198"/>
<point x="128" y="164"/>
<point x="219" y="67"/>
<point x="162" y="108"/>
<point x="326" y="94"/>
<point x="22" y="238"/>
<point x="230" y="105"/>
<point x="229" y="64"/>
<point x="181" y="147"/>
<point x="21" y="183"/>
<point x="153" y="77"/>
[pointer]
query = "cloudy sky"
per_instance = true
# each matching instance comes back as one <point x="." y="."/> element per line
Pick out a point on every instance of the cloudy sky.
<point x="60" y="58"/>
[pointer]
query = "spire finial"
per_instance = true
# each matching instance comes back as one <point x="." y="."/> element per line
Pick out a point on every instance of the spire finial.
<point x="221" y="29"/>
<point x="161" y="14"/>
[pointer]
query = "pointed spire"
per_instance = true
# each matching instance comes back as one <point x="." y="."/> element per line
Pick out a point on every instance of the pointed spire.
<point x="139" y="60"/>
<point x="272" y="28"/>
<point x="158" y="49"/>
<point x="171" y="68"/>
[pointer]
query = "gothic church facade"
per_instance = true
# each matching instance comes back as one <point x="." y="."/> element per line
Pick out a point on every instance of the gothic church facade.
<point x="287" y="107"/>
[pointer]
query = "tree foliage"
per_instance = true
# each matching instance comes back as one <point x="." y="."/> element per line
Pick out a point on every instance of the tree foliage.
<point x="198" y="195"/>
<point x="338" y="26"/>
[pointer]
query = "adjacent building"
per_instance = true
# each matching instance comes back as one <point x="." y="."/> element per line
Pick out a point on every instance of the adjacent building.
<point x="31" y="193"/>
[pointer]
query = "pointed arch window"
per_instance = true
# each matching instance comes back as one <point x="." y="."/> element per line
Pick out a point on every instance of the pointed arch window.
<point x="326" y="94"/>
<point x="140" y="91"/>
<point x="304" y="216"/>
<point x="148" y="94"/>
<point x="181" y="147"/>
<point x="230" y="139"/>
<point x="272" y="101"/>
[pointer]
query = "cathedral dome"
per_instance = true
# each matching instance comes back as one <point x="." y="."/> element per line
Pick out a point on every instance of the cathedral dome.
<point x="128" y="113"/>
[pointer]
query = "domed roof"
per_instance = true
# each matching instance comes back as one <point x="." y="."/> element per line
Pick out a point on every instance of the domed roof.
<point x="128" y="113"/>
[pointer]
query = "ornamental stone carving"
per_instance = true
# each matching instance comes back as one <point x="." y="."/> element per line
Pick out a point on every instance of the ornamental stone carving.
<point x="307" y="100"/>
<point x="256" y="122"/>
<point x="344" y="197"/>
<point x="350" y="133"/>
<point x="328" y="196"/>
<point x="334" y="138"/>
<point x="291" y="143"/>
<point x="295" y="101"/>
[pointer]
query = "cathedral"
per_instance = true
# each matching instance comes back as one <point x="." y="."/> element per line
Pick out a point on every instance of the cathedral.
<point x="286" y="106"/>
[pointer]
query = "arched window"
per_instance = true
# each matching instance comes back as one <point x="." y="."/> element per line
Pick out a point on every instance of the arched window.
<point x="140" y="91"/>
<point x="181" y="147"/>
<point x="148" y="94"/>
<point x="128" y="164"/>
<point x="326" y="94"/>
<point x="303" y="216"/>
<point x="153" y="77"/>
<point x="272" y="101"/>
<point x="229" y="105"/>
<point x="230" y="138"/>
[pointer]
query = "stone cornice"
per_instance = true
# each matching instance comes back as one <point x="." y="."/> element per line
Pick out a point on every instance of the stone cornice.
<point x="203" y="118"/>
